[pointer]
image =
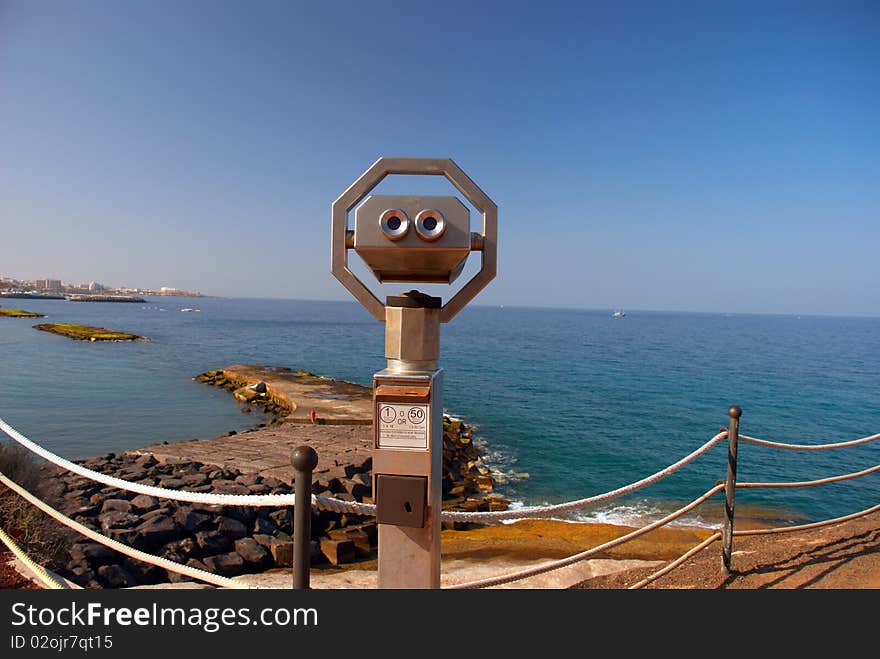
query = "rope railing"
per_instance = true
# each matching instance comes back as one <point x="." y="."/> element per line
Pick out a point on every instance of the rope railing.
<point x="678" y="561"/>
<point x="337" y="505"/>
<point x="493" y="581"/>
<point x="340" y="506"/>
<point x="556" y="509"/>
<point x="36" y="569"/>
<point x="810" y="447"/>
<point x="813" y="525"/>
<point x="575" y="558"/>
<point x="820" y="481"/>
<point x="187" y="570"/>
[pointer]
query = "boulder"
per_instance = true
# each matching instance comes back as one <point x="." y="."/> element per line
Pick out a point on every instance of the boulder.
<point x="146" y="460"/>
<point x="227" y="565"/>
<point x="282" y="552"/>
<point x="282" y="518"/>
<point x="116" y="519"/>
<point x="264" y="525"/>
<point x="155" y="532"/>
<point x="190" y="520"/>
<point x="165" y="509"/>
<point x="115" y="576"/>
<point x="253" y="554"/>
<point x="231" y="528"/>
<point x="213" y="542"/>
<point x="244" y="514"/>
<point x="144" y="573"/>
<point x="192" y="480"/>
<point x="143" y="503"/>
<point x="245" y="394"/>
<point x="116" y="504"/>
<point x="92" y="552"/>
<point x="337" y="552"/>
<point x="179" y="550"/>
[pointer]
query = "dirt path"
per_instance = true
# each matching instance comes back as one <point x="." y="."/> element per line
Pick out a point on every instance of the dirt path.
<point x="842" y="556"/>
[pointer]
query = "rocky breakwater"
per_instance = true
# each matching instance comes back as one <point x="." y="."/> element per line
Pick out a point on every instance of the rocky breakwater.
<point x="249" y="392"/>
<point x="231" y="540"/>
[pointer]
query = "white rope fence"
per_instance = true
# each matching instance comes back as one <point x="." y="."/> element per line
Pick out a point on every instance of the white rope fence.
<point x="814" y="525"/>
<point x="563" y="562"/>
<point x="810" y="447"/>
<point x="38" y="570"/>
<point x="820" y="481"/>
<point x="556" y="509"/>
<point x="337" y="505"/>
<point x="187" y="570"/>
<point x="678" y="561"/>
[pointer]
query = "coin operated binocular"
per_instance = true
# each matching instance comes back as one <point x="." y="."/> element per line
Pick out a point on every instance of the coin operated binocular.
<point x="411" y="239"/>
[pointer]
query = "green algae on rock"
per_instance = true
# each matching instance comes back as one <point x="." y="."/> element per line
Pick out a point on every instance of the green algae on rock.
<point x="20" y="313"/>
<point x="87" y="332"/>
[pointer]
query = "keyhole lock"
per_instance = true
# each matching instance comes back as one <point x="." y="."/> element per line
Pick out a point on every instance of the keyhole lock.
<point x="401" y="500"/>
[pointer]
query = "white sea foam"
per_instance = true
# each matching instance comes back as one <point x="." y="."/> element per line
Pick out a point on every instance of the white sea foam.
<point x="635" y="514"/>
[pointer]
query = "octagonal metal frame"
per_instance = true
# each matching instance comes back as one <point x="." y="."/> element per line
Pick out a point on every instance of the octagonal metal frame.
<point x="488" y="242"/>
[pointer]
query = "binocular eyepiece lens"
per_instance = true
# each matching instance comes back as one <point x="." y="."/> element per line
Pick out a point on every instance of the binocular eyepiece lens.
<point x="430" y="224"/>
<point x="394" y="223"/>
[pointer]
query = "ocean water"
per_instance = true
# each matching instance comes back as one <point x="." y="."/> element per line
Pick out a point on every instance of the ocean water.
<point x="570" y="403"/>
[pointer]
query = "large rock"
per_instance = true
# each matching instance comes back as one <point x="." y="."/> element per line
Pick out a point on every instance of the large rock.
<point x="337" y="551"/>
<point x="244" y="514"/>
<point x="282" y="553"/>
<point x="115" y="576"/>
<point x="254" y="555"/>
<point x="264" y="525"/>
<point x="116" y="519"/>
<point x="92" y="552"/>
<point x="144" y="573"/>
<point x="180" y="550"/>
<point x="282" y="518"/>
<point x="143" y="503"/>
<point x="227" y="565"/>
<point x="155" y="532"/>
<point x="231" y="528"/>
<point x="190" y="520"/>
<point x="120" y="505"/>
<point x="213" y="542"/>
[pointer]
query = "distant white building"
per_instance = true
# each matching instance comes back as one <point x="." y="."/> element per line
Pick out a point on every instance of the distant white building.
<point x="49" y="284"/>
<point x="167" y="290"/>
<point x="95" y="287"/>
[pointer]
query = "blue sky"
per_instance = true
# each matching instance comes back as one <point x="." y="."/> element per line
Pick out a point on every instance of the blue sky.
<point x="645" y="155"/>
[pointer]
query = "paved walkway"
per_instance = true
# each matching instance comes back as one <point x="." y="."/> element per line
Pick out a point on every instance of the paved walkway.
<point x="267" y="450"/>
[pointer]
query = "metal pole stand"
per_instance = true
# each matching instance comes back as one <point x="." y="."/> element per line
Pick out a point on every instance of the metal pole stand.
<point x="304" y="460"/>
<point x="730" y="486"/>
<point x="408" y="444"/>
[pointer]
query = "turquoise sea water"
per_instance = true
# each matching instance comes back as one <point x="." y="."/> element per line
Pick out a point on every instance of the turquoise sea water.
<point x="571" y="403"/>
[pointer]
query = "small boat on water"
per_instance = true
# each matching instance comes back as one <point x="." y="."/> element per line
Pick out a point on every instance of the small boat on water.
<point x="618" y="313"/>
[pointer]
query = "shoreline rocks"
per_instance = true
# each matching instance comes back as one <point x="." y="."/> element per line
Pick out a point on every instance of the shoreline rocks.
<point x="232" y="540"/>
<point x="256" y="394"/>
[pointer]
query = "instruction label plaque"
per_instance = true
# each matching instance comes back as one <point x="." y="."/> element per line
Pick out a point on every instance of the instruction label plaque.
<point x="403" y="425"/>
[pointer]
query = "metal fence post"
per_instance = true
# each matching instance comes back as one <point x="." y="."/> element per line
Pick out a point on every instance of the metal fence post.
<point x="304" y="460"/>
<point x="734" y="412"/>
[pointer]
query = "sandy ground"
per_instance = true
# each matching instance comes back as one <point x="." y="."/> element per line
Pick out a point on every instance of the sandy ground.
<point x="842" y="556"/>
